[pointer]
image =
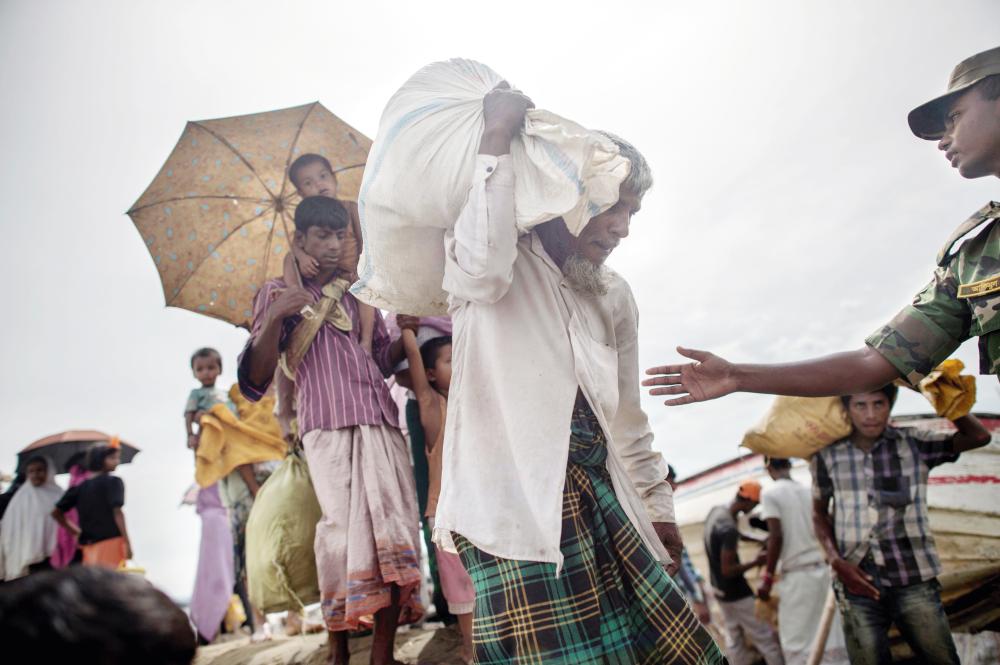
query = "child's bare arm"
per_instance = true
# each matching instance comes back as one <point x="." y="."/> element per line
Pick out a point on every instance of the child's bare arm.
<point x="60" y="517"/>
<point x="120" y="523"/>
<point x="430" y="417"/>
<point x="247" y="474"/>
<point x="192" y="438"/>
<point x="307" y="265"/>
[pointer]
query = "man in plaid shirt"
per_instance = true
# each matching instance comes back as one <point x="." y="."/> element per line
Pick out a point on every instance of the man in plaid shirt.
<point x="877" y="537"/>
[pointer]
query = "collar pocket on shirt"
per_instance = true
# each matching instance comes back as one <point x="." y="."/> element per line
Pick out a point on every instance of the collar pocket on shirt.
<point x="597" y="368"/>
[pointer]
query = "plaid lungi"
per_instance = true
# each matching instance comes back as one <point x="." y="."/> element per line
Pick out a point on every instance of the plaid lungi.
<point x="612" y="602"/>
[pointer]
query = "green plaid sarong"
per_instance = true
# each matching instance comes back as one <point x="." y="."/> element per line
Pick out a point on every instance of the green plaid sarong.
<point x="613" y="602"/>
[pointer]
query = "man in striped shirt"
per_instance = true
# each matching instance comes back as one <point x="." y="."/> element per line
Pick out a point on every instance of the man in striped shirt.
<point x="366" y="542"/>
<point x="877" y="537"/>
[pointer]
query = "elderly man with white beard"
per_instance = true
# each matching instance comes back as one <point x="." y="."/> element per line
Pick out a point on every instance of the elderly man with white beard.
<point x="551" y="492"/>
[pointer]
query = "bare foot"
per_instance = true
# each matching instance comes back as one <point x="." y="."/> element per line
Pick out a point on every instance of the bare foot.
<point x="262" y="635"/>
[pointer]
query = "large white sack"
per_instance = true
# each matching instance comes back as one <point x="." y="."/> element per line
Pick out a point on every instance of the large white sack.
<point x="420" y="170"/>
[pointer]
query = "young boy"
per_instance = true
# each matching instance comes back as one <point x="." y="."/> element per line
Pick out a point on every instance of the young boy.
<point x="430" y="374"/>
<point x="871" y="518"/>
<point x="366" y="542"/>
<point x="99" y="500"/>
<point x="312" y="175"/>
<point x="206" y="366"/>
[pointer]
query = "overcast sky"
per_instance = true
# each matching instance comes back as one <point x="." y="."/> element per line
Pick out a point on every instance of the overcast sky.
<point x="793" y="211"/>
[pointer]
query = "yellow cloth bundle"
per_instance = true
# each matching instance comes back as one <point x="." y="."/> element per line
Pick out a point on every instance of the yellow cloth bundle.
<point x="951" y="394"/>
<point x="798" y="427"/>
<point x="227" y="442"/>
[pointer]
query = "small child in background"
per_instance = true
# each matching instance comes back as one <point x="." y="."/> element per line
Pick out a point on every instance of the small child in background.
<point x="236" y="490"/>
<point x="312" y="175"/>
<point x="430" y="373"/>
<point x="206" y="366"/>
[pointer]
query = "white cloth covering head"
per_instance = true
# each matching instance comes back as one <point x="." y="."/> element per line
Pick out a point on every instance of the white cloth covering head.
<point x="28" y="531"/>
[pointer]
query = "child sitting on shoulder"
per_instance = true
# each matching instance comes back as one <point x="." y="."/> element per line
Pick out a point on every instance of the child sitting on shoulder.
<point x="312" y="175"/>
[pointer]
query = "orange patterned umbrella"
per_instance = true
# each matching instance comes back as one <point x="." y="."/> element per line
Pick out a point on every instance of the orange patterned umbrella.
<point x="218" y="217"/>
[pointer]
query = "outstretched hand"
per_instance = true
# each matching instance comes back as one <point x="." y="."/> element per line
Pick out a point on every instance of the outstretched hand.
<point x="707" y="378"/>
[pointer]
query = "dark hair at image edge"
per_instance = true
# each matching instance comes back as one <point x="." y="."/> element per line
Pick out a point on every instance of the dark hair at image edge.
<point x="86" y="614"/>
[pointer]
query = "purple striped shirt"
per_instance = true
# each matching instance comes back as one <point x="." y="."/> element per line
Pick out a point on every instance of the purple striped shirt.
<point x="337" y="384"/>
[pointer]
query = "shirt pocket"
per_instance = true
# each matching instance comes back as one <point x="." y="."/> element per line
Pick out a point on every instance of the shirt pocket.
<point x="597" y="365"/>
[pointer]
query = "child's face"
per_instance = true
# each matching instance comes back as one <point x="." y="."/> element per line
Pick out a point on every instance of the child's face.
<point x="440" y="374"/>
<point x="112" y="461"/>
<point x="38" y="473"/>
<point x="206" y="370"/>
<point x="316" y="180"/>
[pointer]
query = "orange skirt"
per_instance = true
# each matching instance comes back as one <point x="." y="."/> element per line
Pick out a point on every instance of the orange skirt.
<point x="108" y="553"/>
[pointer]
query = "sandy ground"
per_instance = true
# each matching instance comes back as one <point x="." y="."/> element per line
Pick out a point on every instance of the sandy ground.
<point x="414" y="646"/>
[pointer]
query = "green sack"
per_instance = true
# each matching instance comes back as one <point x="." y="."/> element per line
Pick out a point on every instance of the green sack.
<point x="281" y="560"/>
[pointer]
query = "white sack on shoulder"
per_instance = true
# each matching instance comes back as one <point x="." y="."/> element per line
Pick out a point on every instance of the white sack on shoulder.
<point x="420" y="170"/>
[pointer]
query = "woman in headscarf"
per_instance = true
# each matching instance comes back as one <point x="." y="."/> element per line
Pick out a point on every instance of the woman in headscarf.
<point x="27" y="533"/>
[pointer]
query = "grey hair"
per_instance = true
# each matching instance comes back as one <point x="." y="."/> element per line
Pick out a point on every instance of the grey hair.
<point x="640" y="177"/>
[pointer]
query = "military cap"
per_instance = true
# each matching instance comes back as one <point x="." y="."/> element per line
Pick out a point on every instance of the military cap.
<point x="927" y="120"/>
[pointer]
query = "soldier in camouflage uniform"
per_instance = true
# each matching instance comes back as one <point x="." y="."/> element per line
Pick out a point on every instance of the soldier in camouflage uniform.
<point x="961" y="301"/>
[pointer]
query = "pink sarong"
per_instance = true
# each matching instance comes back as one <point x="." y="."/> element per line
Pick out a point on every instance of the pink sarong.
<point x="455" y="582"/>
<point x="367" y="539"/>
<point x="213" y="584"/>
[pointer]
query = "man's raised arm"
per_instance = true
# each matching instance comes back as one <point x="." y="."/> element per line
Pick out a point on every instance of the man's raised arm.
<point x="481" y="248"/>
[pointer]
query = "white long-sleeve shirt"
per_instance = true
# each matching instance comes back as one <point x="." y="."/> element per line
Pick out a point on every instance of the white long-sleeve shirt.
<point x="523" y="343"/>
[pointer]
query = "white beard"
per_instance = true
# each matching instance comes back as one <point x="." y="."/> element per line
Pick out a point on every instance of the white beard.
<point x="586" y="277"/>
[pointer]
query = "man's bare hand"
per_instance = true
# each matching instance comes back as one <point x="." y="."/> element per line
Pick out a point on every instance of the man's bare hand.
<point x="503" y="115"/>
<point x="290" y="302"/>
<point x="670" y="536"/>
<point x="707" y="378"/>
<point x="855" y="580"/>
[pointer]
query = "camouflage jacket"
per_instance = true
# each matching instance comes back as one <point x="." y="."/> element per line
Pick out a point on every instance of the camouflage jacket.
<point x="961" y="301"/>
